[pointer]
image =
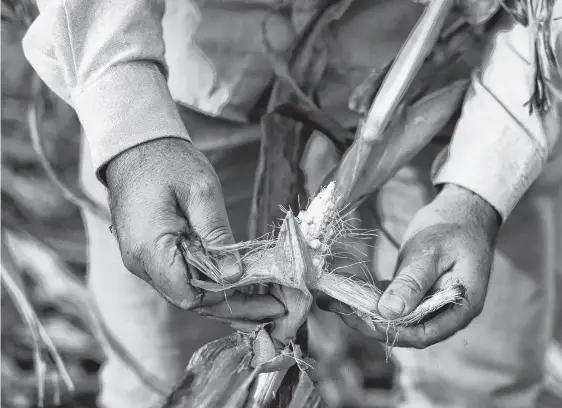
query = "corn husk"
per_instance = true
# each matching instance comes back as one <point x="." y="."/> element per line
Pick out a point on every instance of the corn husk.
<point x="204" y="384"/>
<point x="295" y="264"/>
<point x="297" y="259"/>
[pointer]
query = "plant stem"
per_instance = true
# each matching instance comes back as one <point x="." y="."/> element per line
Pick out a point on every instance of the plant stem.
<point x="403" y="70"/>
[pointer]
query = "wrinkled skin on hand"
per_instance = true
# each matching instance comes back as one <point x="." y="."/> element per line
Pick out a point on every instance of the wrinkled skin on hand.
<point x="452" y="238"/>
<point x="159" y="190"/>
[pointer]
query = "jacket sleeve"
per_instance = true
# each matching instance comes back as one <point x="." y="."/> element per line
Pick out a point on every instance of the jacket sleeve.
<point x="106" y="59"/>
<point x="498" y="148"/>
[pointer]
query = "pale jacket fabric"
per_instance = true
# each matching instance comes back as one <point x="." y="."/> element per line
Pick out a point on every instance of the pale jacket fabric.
<point x="122" y="70"/>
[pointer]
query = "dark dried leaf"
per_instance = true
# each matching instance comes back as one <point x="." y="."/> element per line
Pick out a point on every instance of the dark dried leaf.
<point x="215" y="373"/>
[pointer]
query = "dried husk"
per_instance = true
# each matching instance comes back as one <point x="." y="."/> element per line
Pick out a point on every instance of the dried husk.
<point x="264" y="389"/>
<point x="204" y="383"/>
<point x="290" y="263"/>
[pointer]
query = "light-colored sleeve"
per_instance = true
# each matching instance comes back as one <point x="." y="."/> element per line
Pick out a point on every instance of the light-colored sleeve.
<point x="498" y="148"/>
<point x="106" y="59"/>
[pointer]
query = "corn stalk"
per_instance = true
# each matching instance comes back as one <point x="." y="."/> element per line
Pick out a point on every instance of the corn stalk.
<point x="401" y="74"/>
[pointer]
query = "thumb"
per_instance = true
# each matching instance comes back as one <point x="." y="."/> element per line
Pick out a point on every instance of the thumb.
<point x="417" y="273"/>
<point x="203" y="205"/>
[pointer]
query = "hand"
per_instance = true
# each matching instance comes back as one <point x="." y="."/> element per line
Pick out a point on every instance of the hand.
<point x="452" y="238"/>
<point x="158" y="190"/>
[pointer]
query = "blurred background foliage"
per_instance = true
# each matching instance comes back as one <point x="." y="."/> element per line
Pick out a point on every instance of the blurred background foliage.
<point x="43" y="240"/>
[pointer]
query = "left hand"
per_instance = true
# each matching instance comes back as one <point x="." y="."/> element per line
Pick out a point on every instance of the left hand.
<point x="167" y="187"/>
<point x="451" y="238"/>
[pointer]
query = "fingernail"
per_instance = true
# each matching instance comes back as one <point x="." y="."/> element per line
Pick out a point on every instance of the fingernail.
<point x="391" y="306"/>
<point x="231" y="268"/>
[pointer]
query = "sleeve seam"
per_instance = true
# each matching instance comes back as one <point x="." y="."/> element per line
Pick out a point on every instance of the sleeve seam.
<point x="70" y="45"/>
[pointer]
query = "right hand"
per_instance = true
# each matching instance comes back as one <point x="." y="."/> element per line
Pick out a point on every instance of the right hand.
<point x="163" y="188"/>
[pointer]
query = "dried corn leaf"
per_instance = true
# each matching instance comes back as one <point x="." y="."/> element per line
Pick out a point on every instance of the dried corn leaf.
<point x="319" y="120"/>
<point x="430" y="103"/>
<point x="406" y="136"/>
<point x="215" y="373"/>
<point x="279" y="180"/>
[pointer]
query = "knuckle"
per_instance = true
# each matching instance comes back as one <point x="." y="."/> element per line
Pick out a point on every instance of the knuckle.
<point x="464" y="324"/>
<point x="129" y="261"/>
<point x="430" y="251"/>
<point x="216" y="235"/>
<point x="132" y="255"/>
<point x="410" y="282"/>
<point x="204" y="187"/>
<point x="127" y="255"/>
<point x="166" y="246"/>
<point x="130" y="246"/>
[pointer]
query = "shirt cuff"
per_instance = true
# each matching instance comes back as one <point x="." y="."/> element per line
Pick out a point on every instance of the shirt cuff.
<point x="499" y="148"/>
<point x="129" y="105"/>
<point x="491" y="154"/>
